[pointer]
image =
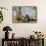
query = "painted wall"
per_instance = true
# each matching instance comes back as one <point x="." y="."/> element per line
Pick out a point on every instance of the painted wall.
<point x="23" y="29"/>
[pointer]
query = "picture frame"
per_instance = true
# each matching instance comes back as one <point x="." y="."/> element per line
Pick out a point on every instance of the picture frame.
<point x="24" y="14"/>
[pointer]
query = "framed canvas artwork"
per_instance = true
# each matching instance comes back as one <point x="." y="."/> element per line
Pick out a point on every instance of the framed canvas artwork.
<point x="24" y="14"/>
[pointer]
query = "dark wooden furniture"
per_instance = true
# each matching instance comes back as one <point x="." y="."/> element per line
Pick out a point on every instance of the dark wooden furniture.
<point x="23" y="42"/>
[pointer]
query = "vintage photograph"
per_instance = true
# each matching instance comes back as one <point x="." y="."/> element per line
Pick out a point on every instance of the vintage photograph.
<point x="24" y="14"/>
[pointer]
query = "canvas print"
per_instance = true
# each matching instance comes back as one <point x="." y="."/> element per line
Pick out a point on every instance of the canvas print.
<point x="24" y="14"/>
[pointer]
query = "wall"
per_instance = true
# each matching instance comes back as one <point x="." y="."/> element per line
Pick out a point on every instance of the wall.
<point x="23" y="29"/>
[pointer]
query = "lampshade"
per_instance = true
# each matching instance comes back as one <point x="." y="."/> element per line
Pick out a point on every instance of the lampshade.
<point x="7" y="28"/>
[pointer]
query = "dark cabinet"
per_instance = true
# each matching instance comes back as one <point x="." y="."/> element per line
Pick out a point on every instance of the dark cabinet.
<point x="23" y="42"/>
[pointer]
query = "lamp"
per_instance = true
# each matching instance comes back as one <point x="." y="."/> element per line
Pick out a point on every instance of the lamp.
<point x="7" y="28"/>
